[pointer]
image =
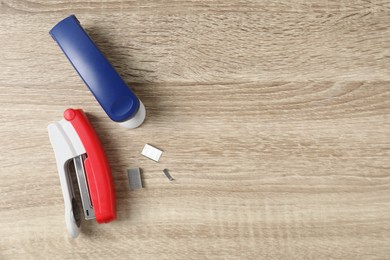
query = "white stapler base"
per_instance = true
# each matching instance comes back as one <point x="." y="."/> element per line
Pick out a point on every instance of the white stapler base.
<point x="66" y="145"/>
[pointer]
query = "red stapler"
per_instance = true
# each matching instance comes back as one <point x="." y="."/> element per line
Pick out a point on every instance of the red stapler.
<point x="76" y="144"/>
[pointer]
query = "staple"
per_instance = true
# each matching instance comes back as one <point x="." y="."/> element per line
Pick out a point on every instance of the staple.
<point x="134" y="178"/>
<point x="169" y="176"/>
<point x="151" y="152"/>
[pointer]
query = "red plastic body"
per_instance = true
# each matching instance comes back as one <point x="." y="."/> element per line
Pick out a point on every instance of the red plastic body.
<point x="97" y="169"/>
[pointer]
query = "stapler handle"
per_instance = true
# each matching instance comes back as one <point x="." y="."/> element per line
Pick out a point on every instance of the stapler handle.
<point x="97" y="169"/>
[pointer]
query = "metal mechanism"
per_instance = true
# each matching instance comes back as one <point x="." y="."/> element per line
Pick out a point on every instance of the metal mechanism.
<point x="75" y="206"/>
<point x="83" y="187"/>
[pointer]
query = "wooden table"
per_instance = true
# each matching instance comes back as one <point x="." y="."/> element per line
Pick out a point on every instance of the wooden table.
<point x="273" y="117"/>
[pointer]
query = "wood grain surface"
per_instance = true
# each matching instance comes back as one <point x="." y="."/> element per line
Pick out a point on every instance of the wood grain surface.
<point x="274" y="119"/>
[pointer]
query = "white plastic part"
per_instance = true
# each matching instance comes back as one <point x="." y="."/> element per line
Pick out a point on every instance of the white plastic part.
<point x="137" y="120"/>
<point x="151" y="152"/>
<point x="66" y="145"/>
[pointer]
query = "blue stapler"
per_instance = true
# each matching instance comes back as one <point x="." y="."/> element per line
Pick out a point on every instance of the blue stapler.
<point x="109" y="89"/>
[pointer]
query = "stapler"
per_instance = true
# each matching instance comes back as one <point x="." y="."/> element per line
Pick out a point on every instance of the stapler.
<point x="75" y="143"/>
<point x="110" y="90"/>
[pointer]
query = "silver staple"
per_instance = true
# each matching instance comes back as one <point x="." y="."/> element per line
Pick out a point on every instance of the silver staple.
<point x="166" y="172"/>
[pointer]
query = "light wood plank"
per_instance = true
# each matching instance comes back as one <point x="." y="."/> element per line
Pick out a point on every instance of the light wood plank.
<point x="204" y="47"/>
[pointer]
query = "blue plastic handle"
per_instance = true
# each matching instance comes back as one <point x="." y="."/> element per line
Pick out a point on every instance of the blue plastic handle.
<point x="109" y="89"/>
